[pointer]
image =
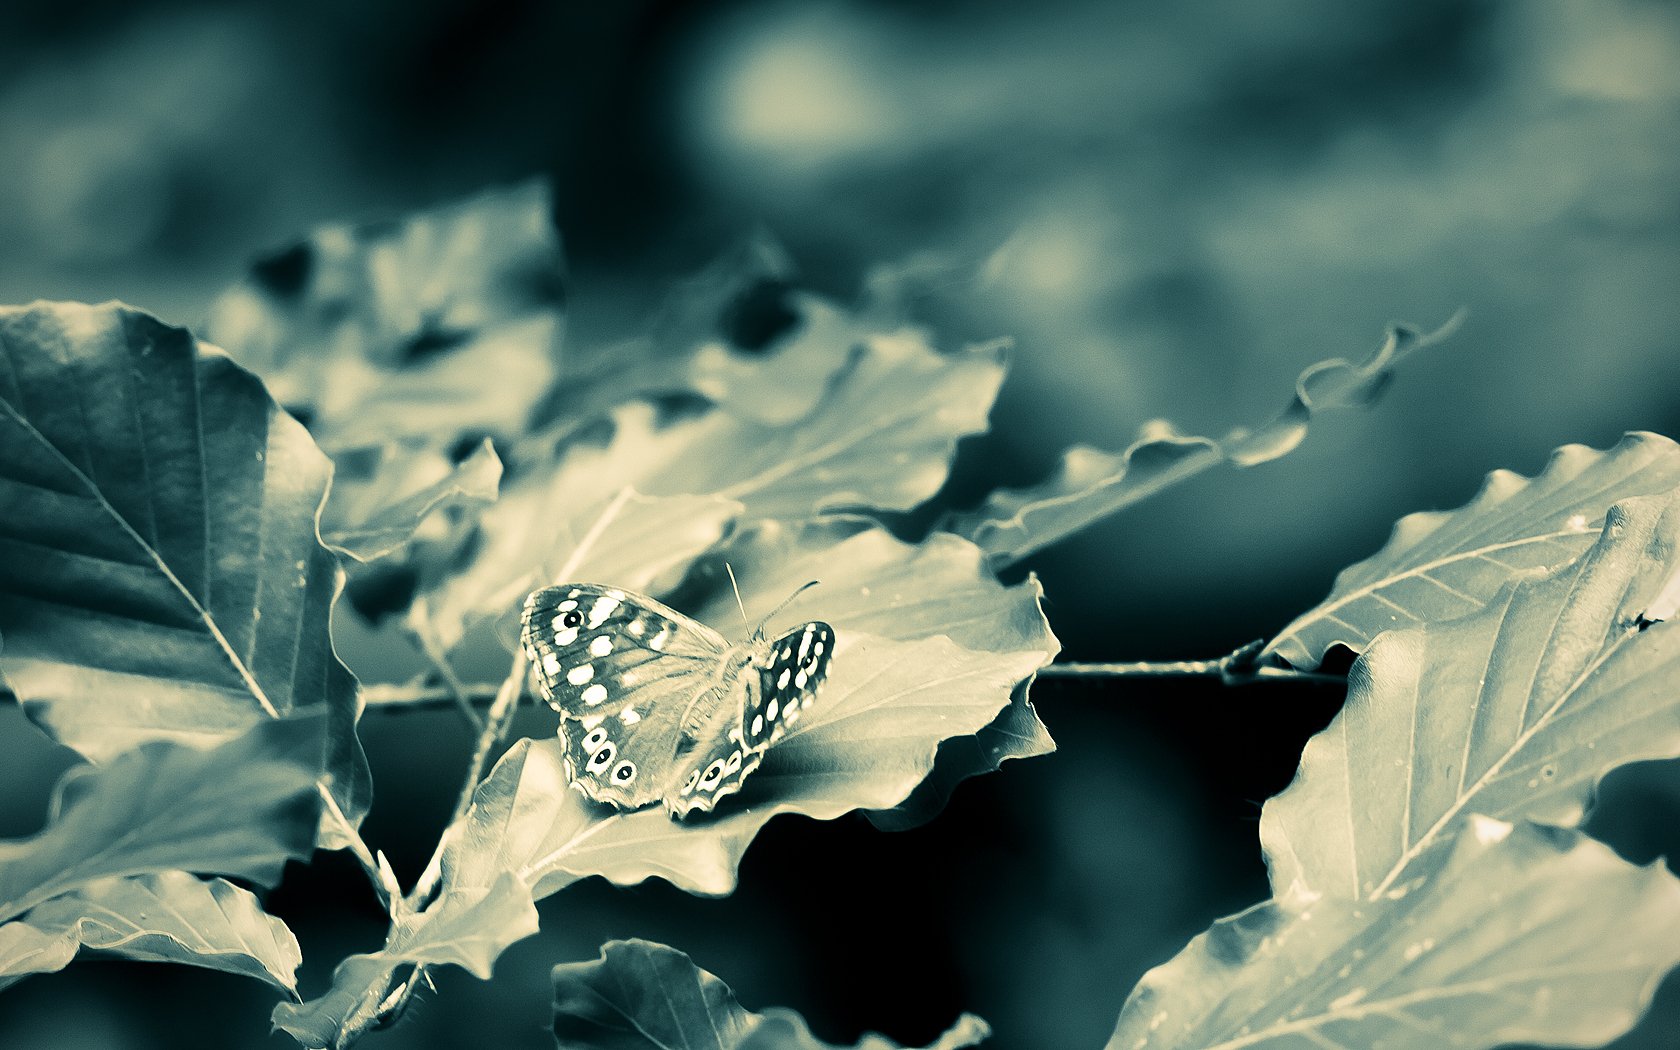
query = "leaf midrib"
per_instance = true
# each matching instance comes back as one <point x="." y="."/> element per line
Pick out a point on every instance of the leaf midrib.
<point x="251" y="684"/>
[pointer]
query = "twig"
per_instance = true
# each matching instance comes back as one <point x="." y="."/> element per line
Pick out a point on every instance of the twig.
<point x="420" y="626"/>
<point x="506" y="700"/>
<point x="395" y="699"/>
<point x="1186" y="669"/>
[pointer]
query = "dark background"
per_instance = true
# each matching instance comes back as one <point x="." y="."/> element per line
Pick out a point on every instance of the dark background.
<point x="1172" y="208"/>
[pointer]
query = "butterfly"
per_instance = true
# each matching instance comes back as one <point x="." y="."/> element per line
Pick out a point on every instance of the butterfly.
<point x="654" y="704"/>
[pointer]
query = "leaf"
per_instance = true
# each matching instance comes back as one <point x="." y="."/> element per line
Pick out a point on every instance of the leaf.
<point x="1511" y="935"/>
<point x="872" y="582"/>
<point x="443" y="325"/>
<point x="167" y="917"/>
<point x="242" y="809"/>
<point x="1515" y="712"/>
<point x="404" y="488"/>
<point x="883" y="437"/>
<point x="161" y="577"/>
<point x="534" y="531"/>
<point x="644" y="996"/>
<point x="865" y="745"/>
<point x="785" y="383"/>
<point x="737" y="332"/>
<point x="1091" y="484"/>
<point x="1441" y="565"/>
<point x="469" y="929"/>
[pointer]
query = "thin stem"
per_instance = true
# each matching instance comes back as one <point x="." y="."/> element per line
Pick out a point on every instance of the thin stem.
<point x="420" y="625"/>
<point x="495" y="728"/>
<point x="1186" y="669"/>
<point x="358" y="847"/>
<point x="397" y="699"/>
<point x="502" y="707"/>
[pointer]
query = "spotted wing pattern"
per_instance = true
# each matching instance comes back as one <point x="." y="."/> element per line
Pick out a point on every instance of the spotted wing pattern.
<point x="779" y="681"/>
<point x="625" y="672"/>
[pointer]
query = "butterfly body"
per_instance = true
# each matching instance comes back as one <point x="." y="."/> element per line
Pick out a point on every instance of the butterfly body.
<point x="655" y="705"/>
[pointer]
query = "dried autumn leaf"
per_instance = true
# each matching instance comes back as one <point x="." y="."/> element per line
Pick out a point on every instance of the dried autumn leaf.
<point x="161" y="575"/>
<point x="170" y="916"/>
<point x="1092" y="484"/>
<point x="1441" y="565"/>
<point x="644" y="996"/>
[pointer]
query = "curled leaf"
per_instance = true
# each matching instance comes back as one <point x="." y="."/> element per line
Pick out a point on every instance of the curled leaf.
<point x="1510" y="935"/>
<point x="1092" y="484"/>
<point x="162" y="576"/>
<point x="167" y="917"/>
<point x="644" y="996"/>
<point x="1441" y="565"/>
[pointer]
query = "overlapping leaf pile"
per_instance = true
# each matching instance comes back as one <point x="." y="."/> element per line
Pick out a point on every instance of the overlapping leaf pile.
<point x="1428" y="886"/>
<point x="162" y="591"/>
<point x="932" y="650"/>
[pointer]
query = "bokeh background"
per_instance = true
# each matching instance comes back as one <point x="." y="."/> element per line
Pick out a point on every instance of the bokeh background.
<point x="1171" y="207"/>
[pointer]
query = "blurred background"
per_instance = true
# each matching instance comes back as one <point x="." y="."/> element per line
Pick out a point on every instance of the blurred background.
<point x="1172" y="208"/>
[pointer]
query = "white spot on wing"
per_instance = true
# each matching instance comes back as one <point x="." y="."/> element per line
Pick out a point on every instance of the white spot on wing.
<point x="580" y="674"/>
<point x="774" y="707"/>
<point x="602" y="609"/>
<point x="595" y="694"/>
<point x="758" y="724"/>
<point x="600" y="646"/>
<point x="551" y="664"/>
<point x="568" y="605"/>
<point x="657" y="642"/>
<point x="629" y="716"/>
<point x="566" y="637"/>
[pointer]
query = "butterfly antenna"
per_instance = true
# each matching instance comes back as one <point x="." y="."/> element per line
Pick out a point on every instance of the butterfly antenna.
<point x="737" y="589"/>
<point x="758" y="632"/>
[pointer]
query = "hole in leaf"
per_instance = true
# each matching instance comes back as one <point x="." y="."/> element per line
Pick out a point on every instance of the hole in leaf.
<point x="759" y="316"/>
<point x="285" y="274"/>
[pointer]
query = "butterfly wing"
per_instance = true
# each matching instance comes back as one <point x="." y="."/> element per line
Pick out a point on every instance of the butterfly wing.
<point x="623" y="670"/>
<point x="789" y="671"/>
